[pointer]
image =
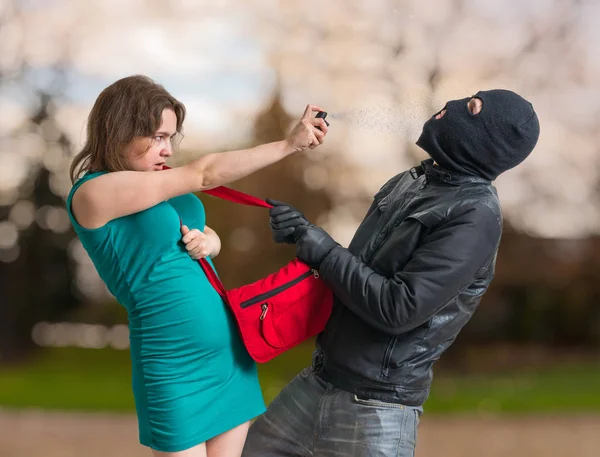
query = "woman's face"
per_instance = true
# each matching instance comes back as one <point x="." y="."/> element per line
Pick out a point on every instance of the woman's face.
<point x="150" y="154"/>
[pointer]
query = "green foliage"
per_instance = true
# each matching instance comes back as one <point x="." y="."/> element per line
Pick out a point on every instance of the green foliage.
<point x="80" y="379"/>
<point x="564" y="388"/>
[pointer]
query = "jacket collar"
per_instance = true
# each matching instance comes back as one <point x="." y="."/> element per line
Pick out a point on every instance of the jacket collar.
<point x="437" y="173"/>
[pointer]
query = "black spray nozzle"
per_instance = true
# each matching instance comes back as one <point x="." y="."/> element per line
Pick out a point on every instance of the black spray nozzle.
<point x="323" y="115"/>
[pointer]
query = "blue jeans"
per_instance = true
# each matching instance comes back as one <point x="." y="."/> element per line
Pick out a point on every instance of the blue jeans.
<point x="313" y="418"/>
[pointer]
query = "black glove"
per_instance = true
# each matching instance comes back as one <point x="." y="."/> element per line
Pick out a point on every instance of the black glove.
<point x="313" y="244"/>
<point x="284" y="220"/>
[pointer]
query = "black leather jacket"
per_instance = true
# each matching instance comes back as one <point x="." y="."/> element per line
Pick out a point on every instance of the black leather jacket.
<point x="411" y="278"/>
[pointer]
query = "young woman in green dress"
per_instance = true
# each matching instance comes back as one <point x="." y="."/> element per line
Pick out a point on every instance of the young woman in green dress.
<point x="195" y="386"/>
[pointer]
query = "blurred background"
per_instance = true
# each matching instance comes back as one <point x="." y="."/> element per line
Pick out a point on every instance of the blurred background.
<point x="523" y="377"/>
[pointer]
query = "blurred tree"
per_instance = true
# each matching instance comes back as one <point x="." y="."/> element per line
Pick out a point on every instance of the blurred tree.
<point x="37" y="284"/>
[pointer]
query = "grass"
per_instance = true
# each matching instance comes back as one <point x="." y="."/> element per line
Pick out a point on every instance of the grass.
<point x="100" y="380"/>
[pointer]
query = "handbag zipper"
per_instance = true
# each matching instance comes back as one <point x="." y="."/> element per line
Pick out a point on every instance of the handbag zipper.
<point x="287" y="285"/>
<point x="265" y="308"/>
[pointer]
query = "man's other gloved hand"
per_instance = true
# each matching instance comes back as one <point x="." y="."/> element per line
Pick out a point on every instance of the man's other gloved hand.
<point x="284" y="219"/>
<point x="313" y="244"/>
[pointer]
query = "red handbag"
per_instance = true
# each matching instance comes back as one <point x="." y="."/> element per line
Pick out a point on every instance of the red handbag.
<point x="280" y="311"/>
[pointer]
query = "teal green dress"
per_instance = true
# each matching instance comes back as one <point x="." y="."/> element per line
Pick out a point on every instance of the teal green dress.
<point x="192" y="377"/>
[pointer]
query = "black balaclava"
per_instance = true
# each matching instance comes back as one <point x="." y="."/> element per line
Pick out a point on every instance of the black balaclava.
<point x="486" y="144"/>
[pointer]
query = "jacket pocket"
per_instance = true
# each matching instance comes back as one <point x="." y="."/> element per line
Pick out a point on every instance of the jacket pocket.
<point x="387" y="356"/>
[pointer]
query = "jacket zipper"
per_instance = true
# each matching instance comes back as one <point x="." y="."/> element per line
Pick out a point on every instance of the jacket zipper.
<point x="271" y="293"/>
<point x="387" y="356"/>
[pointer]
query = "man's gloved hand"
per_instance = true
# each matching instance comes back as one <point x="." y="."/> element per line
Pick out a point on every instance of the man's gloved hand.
<point x="313" y="244"/>
<point x="284" y="220"/>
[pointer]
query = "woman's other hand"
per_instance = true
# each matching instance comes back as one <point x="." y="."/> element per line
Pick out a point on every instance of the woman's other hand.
<point x="200" y="245"/>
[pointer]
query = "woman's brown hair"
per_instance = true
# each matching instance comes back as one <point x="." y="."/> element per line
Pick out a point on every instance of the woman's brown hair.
<point x="129" y="108"/>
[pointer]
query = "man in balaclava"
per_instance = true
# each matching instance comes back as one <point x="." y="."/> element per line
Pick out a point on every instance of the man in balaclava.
<point x="410" y="280"/>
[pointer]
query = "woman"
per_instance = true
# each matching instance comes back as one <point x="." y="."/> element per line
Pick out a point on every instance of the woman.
<point x="194" y="384"/>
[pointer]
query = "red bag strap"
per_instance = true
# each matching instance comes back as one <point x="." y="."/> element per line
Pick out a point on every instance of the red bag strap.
<point x="213" y="278"/>
<point x="211" y="274"/>
<point x="236" y="196"/>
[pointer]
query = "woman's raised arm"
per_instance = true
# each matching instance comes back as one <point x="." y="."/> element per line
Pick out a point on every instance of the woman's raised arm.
<point x="121" y="193"/>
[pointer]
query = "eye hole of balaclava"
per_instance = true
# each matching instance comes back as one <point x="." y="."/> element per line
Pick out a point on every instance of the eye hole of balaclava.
<point x="475" y="106"/>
